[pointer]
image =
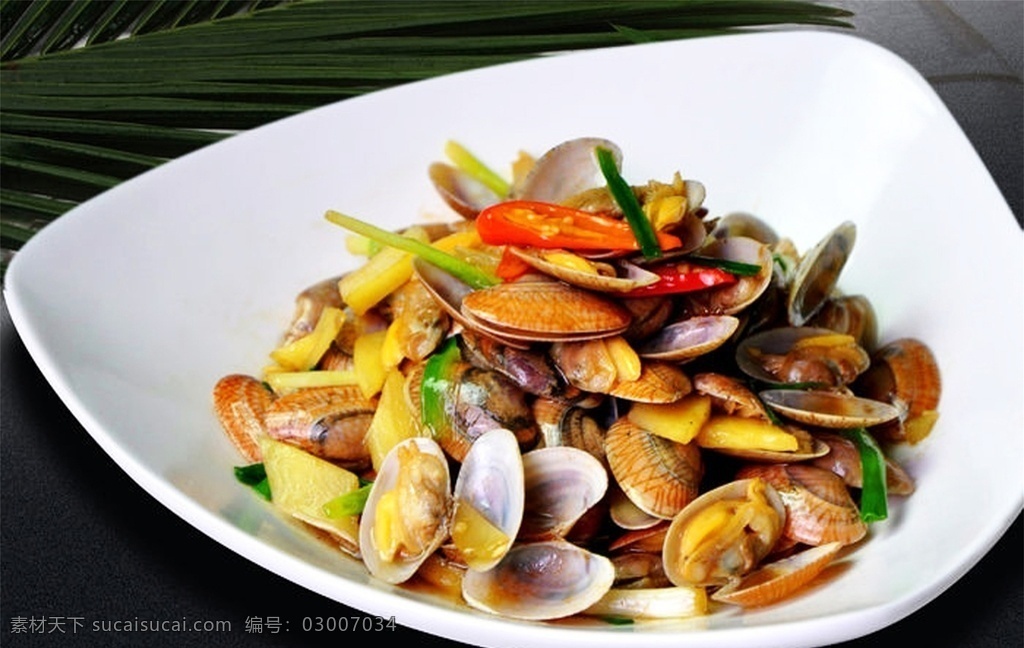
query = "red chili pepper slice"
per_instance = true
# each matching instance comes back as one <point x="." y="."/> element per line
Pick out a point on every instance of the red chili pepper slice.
<point x="547" y="225"/>
<point x="683" y="277"/>
<point x="511" y="267"/>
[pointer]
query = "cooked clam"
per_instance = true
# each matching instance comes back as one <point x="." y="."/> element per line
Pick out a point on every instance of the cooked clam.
<point x="565" y="170"/>
<point x="819" y="508"/>
<point x="733" y="298"/>
<point x="779" y="579"/>
<point x="828" y="409"/>
<point x="690" y="338"/>
<point x="329" y="422"/>
<point x="660" y="476"/>
<point x="562" y="483"/>
<point x="724" y="533"/>
<point x="905" y="373"/>
<point x="539" y="581"/>
<point x="543" y="311"/>
<point x="619" y="276"/>
<point x="463" y="193"/>
<point x="818" y="273"/>
<point x="407" y="513"/>
<point x="489" y="499"/>
<point x="801" y="354"/>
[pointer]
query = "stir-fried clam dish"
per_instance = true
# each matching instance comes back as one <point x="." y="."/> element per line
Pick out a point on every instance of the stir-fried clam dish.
<point x="580" y="396"/>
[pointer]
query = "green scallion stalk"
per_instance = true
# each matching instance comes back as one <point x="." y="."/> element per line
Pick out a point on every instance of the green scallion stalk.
<point x="255" y="477"/>
<point x="350" y="503"/>
<point x="734" y="267"/>
<point x="465" y="272"/>
<point x="626" y="200"/>
<point x="874" y="505"/>
<point x="466" y="161"/>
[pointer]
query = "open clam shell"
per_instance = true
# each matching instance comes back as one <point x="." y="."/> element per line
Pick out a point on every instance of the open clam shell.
<point x="818" y="273"/>
<point x="562" y="483"/>
<point x="829" y="409"/>
<point x="689" y="338"/>
<point x="413" y="493"/>
<point x="733" y="298"/>
<point x="756" y="353"/>
<point x="721" y="549"/>
<point x="460" y="191"/>
<point x="819" y="507"/>
<point x="489" y="498"/>
<point x="518" y="589"/>
<point x="565" y="170"/>
<point x="628" y="276"/>
<point x="779" y="579"/>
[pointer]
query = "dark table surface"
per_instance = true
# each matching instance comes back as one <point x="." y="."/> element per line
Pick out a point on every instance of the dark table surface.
<point x="81" y="543"/>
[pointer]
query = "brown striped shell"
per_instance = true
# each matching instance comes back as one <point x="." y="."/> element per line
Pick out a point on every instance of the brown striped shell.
<point x="779" y="579"/>
<point x="540" y="311"/>
<point x="659" y="382"/>
<point x="659" y="475"/>
<point x="240" y="403"/>
<point x="329" y="422"/>
<point x="819" y="508"/>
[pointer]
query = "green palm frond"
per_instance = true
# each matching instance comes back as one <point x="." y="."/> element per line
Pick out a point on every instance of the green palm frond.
<point x="97" y="91"/>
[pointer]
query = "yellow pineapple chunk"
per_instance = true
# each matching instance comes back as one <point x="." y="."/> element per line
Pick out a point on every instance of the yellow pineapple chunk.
<point x="368" y="362"/>
<point x="286" y="382"/>
<point x="679" y="421"/>
<point x="393" y="422"/>
<point x="742" y="433"/>
<point x="303" y="353"/>
<point x="301" y="483"/>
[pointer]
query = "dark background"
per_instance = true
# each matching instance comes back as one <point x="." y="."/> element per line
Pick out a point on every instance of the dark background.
<point x="78" y="538"/>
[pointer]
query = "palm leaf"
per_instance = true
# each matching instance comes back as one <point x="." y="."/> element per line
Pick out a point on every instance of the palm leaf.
<point x="97" y="91"/>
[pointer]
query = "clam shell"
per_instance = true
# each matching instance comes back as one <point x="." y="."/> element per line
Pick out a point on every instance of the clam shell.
<point x="491" y="481"/>
<point x="731" y="299"/>
<point x="544" y="311"/>
<point x="565" y="170"/>
<point x="903" y="372"/>
<point x="660" y="476"/>
<point x="690" y="338"/>
<point x="779" y="579"/>
<point x="733" y="558"/>
<point x="818" y="273"/>
<point x="562" y="484"/>
<point x="634" y="276"/>
<point x="463" y="193"/>
<point x="829" y="409"/>
<point x="819" y="508"/>
<point x="778" y="341"/>
<point x="329" y="422"/>
<point x="659" y="382"/>
<point x="240" y="402"/>
<point x="518" y="588"/>
<point x="449" y="293"/>
<point x="402" y="568"/>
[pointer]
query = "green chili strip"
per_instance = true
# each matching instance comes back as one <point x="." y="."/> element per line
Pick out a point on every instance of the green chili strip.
<point x="465" y="272"/>
<point x="469" y="163"/>
<point x="350" y="503"/>
<point x="626" y="199"/>
<point x="735" y="267"/>
<point x="874" y="493"/>
<point x="255" y="477"/>
<point x="436" y="387"/>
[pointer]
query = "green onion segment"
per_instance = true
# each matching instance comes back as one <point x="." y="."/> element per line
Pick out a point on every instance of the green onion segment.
<point x="626" y="200"/>
<point x="465" y="272"/>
